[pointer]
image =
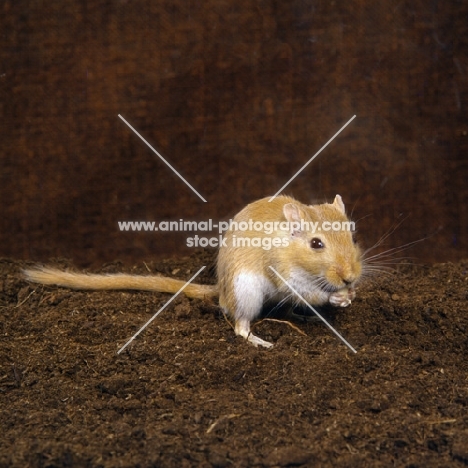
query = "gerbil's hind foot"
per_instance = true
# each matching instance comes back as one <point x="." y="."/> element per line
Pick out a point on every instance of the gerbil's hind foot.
<point x="343" y="297"/>
<point x="256" y="341"/>
<point x="243" y="329"/>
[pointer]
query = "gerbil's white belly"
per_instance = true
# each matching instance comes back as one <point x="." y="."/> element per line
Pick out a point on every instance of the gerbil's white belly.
<point x="251" y="290"/>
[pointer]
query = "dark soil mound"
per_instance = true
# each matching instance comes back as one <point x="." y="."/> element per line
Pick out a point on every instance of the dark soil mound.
<point x="188" y="392"/>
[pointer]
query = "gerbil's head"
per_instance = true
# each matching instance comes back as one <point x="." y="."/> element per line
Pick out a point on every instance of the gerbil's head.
<point x="324" y="245"/>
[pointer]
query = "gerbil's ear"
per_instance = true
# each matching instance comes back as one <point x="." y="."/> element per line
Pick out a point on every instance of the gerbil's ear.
<point x="338" y="203"/>
<point x="293" y="214"/>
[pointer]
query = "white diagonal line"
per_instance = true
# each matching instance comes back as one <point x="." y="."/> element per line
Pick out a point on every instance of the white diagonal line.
<point x="160" y="157"/>
<point x="312" y="158"/>
<point x="161" y="309"/>
<point x="316" y="313"/>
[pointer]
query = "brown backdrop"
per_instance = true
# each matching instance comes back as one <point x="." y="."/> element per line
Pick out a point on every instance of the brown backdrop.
<point x="237" y="95"/>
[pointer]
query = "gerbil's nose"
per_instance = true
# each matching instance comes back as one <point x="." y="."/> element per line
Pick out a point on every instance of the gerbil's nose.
<point x="346" y="276"/>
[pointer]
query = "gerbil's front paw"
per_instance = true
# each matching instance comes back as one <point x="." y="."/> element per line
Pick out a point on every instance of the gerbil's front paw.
<point x="343" y="297"/>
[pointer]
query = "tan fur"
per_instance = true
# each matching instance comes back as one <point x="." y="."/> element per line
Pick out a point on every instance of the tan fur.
<point x="245" y="278"/>
<point x="339" y="264"/>
<point x="340" y="261"/>
<point x="53" y="276"/>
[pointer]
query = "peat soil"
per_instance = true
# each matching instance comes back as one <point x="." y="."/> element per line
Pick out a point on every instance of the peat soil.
<point x="188" y="392"/>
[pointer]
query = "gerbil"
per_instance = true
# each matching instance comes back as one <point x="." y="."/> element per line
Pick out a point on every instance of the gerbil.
<point x="323" y="266"/>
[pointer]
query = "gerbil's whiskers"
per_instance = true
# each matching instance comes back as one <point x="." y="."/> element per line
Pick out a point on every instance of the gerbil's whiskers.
<point x="354" y="206"/>
<point x="395" y="250"/>
<point x="385" y="236"/>
<point x="383" y="262"/>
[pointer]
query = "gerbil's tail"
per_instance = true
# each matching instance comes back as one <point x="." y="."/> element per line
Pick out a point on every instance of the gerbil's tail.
<point x="49" y="276"/>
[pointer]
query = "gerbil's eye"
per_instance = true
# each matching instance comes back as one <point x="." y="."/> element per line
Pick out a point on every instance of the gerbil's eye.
<point x="316" y="243"/>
